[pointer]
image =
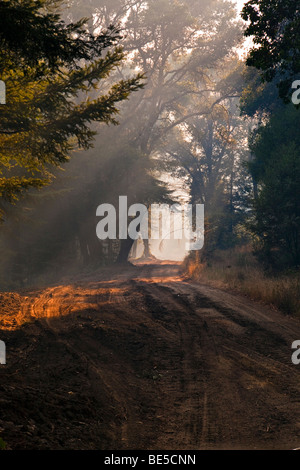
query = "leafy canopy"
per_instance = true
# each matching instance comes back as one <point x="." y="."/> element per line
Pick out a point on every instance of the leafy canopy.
<point x="275" y="27"/>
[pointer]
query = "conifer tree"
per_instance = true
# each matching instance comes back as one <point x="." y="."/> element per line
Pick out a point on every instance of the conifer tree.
<point x="51" y="70"/>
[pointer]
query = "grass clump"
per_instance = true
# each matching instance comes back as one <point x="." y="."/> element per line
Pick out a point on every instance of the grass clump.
<point x="238" y="269"/>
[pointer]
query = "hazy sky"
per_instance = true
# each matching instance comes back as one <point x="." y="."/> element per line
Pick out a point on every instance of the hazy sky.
<point x="240" y="3"/>
<point x="248" y="41"/>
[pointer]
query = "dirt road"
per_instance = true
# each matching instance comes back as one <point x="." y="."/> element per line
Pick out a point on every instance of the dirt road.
<point x="144" y="359"/>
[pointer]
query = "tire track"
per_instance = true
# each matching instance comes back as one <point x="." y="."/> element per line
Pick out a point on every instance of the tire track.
<point x="231" y="365"/>
<point x="150" y="361"/>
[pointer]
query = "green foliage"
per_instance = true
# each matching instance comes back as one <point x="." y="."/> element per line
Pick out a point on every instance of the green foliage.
<point x="275" y="142"/>
<point x="185" y="50"/>
<point x="275" y="27"/>
<point x="38" y="40"/>
<point x="258" y="98"/>
<point x="276" y="167"/>
<point x="3" y="444"/>
<point x="51" y="78"/>
<point x="273" y="137"/>
<point x="181" y="47"/>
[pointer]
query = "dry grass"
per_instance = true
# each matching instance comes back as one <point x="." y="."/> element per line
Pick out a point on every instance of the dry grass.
<point x="238" y="270"/>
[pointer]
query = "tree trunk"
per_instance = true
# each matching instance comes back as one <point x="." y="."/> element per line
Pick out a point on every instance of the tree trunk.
<point x="125" y="248"/>
<point x="147" y="252"/>
<point x="134" y="249"/>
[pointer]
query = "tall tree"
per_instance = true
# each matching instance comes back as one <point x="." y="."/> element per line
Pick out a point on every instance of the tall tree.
<point x="34" y="38"/>
<point x="274" y="141"/>
<point x="276" y="168"/>
<point x="49" y="110"/>
<point x="178" y="45"/>
<point x="212" y="152"/>
<point x="274" y="26"/>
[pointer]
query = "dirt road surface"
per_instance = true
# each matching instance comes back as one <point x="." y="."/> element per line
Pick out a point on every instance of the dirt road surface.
<point x="143" y="359"/>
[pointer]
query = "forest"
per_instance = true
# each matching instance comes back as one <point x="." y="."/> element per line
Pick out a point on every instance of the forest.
<point x="166" y="102"/>
<point x="187" y="113"/>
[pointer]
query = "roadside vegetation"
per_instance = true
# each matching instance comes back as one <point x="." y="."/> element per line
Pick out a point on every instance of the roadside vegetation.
<point x="237" y="269"/>
<point x="267" y="211"/>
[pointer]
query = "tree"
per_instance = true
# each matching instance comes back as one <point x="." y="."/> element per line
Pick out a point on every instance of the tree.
<point x="163" y="41"/>
<point x="274" y="27"/>
<point x="49" y="108"/>
<point x="276" y="168"/>
<point x="274" y="142"/>
<point x="259" y="99"/>
<point x="35" y="39"/>
<point x="209" y="152"/>
<point x="178" y="45"/>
